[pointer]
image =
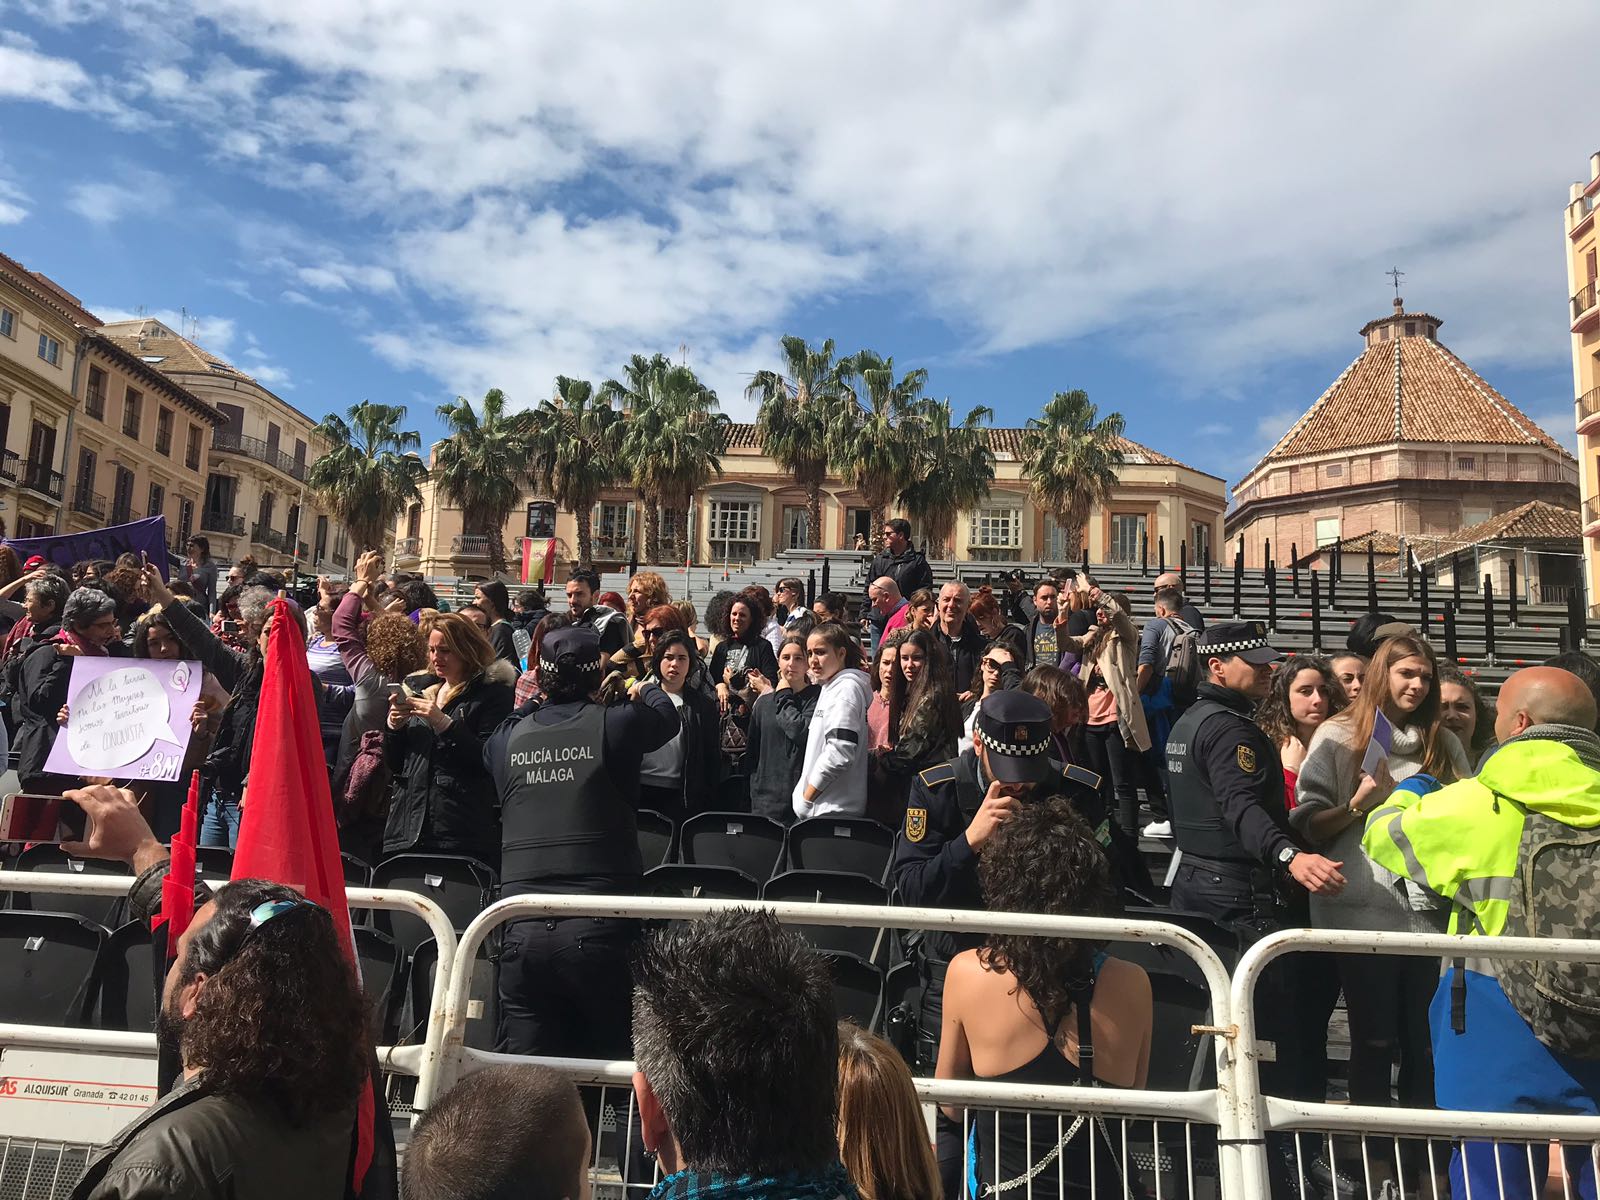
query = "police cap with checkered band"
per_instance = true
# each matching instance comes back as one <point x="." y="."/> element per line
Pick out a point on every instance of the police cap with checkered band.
<point x="1244" y="639"/>
<point x="1014" y="729"/>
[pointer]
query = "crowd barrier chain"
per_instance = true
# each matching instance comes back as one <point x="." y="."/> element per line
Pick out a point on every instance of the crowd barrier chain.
<point x="1209" y="1142"/>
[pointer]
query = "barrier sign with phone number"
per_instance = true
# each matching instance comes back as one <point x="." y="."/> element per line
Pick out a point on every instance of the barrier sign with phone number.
<point x="127" y="718"/>
<point x="92" y="1093"/>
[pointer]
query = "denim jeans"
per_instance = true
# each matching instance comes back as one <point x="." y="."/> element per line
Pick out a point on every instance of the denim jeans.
<point x="220" y="825"/>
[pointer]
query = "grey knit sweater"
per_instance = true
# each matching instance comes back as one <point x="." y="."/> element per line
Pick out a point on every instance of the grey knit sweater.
<point x="1373" y="898"/>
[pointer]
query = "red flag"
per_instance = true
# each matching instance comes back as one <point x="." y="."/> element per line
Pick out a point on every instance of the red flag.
<point x="177" y="888"/>
<point x="287" y="833"/>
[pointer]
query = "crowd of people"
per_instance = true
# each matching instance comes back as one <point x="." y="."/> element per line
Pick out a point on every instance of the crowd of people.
<point x="1012" y="738"/>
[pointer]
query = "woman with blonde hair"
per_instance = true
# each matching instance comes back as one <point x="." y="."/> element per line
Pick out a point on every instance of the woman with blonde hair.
<point x="1117" y="737"/>
<point x="1387" y="996"/>
<point x="646" y="590"/>
<point x="883" y="1139"/>
<point x="444" y="797"/>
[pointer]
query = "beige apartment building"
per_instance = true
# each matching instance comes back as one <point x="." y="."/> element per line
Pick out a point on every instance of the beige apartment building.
<point x="140" y="444"/>
<point x="1409" y="442"/>
<point x="755" y="510"/>
<point x="1582" y="272"/>
<point x="41" y="328"/>
<point x="253" y="497"/>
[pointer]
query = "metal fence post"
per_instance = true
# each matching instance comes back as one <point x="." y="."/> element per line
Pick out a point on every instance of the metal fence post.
<point x="1144" y="553"/>
<point x="1206" y="570"/>
<point x="1511" y="589"/>
<point x="1455" y="578"/>
<point x="1316" y="613"/>
<point x="1272" y="596"/>
<point x="1450" y="631"/>
<point x="1294" y="568"/>
<point x="1238" y="580"/>
<point x="1333" y="576"/>
<point x="1488" y="618"/>
<point x="827" y="567"/>
<point x="811" y="587"/>
<point x="1161" y="554"/>
<point x="1372" y="579"/>
<point x="1422" y="591"/>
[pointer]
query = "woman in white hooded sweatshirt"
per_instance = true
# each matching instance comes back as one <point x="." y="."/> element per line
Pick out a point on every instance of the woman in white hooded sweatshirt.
<point x="833" y="778"/>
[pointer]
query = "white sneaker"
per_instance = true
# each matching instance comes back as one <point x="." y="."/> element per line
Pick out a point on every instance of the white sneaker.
<point x="1158" y="829"/>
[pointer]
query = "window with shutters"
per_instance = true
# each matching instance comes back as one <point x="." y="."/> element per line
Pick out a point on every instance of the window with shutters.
<point x="735" y="529"/>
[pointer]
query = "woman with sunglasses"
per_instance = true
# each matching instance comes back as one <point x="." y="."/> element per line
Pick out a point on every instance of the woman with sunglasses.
<point x="998" y="669"/>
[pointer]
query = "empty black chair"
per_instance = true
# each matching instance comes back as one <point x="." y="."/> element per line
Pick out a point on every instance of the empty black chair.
<point x="382" y="975"/>
<point x="743" y="841"/>
<point x="834" y="887"/>
<point x="128" y="981"/>
<point x="655" y="837"/>
<point x="857" y="989"/>
<point x="357" y="872"/>
<point x="213" y="862"/>
<point x="854" y="844"/>
<point x="1179" y="1059"/>
<point x="700" y="883"/>
<point x="106" y="911"/>
<point x="49" y="962"/>
<point x="462" y="886"/>
<point x="483" y="1004"/>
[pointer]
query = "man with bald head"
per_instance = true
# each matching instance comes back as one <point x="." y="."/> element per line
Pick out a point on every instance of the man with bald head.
<point x="1468" y="843"/>
<point x="887" y="608"/>
<point x="1187" y="612"/>
<point x="960" y="637"/>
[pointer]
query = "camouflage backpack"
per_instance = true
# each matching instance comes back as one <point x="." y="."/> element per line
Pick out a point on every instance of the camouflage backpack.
<point x="1555" y="894"/>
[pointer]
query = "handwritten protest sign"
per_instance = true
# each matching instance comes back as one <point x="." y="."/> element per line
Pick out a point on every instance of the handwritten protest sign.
<point x="127" y="718"/>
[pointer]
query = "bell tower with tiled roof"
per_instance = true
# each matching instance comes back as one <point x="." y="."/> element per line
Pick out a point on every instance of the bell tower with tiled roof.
<point x="1408" y="441"/>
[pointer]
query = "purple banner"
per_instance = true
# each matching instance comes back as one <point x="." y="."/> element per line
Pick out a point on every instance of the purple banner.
<point x="127" y="718"/>
<point x="148" y="536"/>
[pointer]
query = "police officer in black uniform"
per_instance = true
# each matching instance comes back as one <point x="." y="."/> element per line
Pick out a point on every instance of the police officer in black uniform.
<point x="567" y="773"/>
<point x="1241" y="865"/>
<point x="953" y="811"/>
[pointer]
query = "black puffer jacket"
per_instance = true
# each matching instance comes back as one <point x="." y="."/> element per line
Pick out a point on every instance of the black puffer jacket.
<point x="444" y="800"/>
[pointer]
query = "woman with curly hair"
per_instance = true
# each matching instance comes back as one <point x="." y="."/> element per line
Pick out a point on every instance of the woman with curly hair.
<point x="1304" y="694"/>
<point x="1020" y="1009"/>
<point x="646" y="590"/>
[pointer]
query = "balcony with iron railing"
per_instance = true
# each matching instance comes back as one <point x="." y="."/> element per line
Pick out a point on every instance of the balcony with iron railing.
<point x="221" y="522"/>
<point x="10" y="465"/>
<point x="229" y="442"/>
<point x="163" y="441"/>
<point x="121" y="514"/>
<point x="89" y="503"/>
<point x="266" y="535"/>
<point x="1588" y="406"/>
<point x="38" y="477"/>
<point x="341" y="558"/>
<point x="130" y="424"/>
<point x="1591" y="517"/>
<point x="408" y="548"/>
<point x="469" y="545"/>
<point x="1583" y="304"/>
<point x="94" y="403"/>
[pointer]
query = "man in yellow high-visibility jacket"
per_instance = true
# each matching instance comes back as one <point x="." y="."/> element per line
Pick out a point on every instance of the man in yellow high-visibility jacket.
<point x="1462" y="842"/>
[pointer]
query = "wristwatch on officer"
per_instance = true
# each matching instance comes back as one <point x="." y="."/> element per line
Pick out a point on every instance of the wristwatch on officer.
<point x="1287" y="856"/>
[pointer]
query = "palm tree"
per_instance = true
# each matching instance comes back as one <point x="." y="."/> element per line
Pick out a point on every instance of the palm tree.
<point x="955" y="470"/>
<point x="797" y="406"/>
<point x="574" y="443"/>
<point x="370" y="471"/>
<point x="874" y="441"/>
<point x="1071" y="455"/>
<point x="673" y="436"/>
<point x="482" y="465"/>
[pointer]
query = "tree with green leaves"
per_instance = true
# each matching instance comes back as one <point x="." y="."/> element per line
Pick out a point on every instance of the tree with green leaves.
<point x="955" y="470"/>
<point x="874" y="443"/>
<point x="370" y="471"/>
<point x="482" y="466"/>
<point x="1071" y="454"/>
<point x="673" y="436"/>
<point x="575" y="440"/>
<point x="799" y="403"/>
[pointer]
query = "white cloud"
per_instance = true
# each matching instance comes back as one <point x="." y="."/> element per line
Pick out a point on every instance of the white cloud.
<point x="139" y="192"/>
<point x="13" y="200"/>
<point x="28" y="74"/>
<point x="1210" y="193"/>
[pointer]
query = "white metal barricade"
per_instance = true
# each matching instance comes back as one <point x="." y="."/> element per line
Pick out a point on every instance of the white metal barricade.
<point x="1118" y="1105"/>
<point x="125" y="1062"/>
<point x="1258" y="1114"/>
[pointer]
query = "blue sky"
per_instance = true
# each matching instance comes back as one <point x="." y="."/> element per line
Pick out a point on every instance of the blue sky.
<point x="1185" y="210"/>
